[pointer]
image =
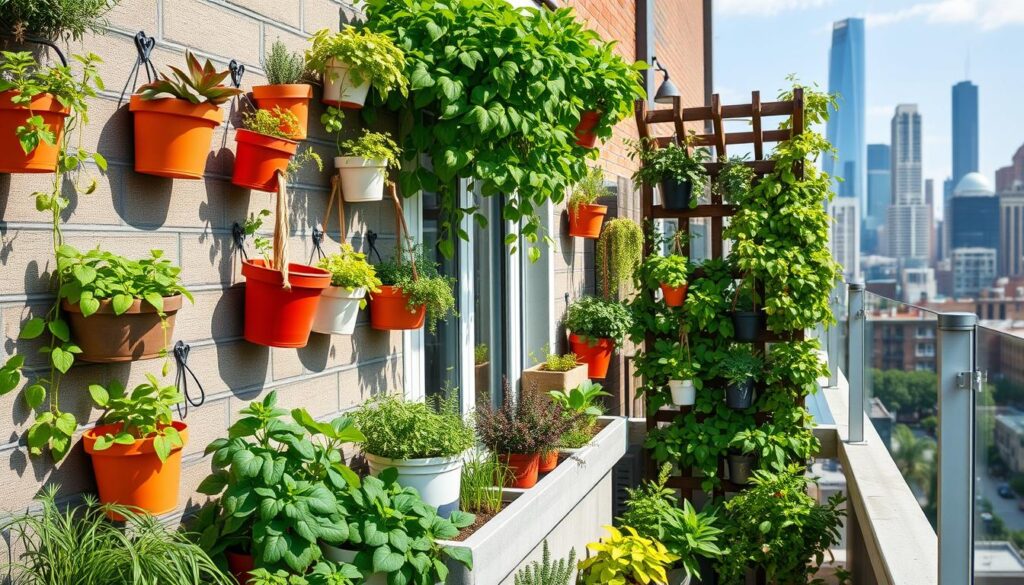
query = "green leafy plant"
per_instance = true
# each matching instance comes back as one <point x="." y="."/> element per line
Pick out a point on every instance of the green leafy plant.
<point x="301" y="159"/>
<point x="786" y="439"/>
<point x="424" y="287"/>
<point x="372" y="58"/>
<point x="372" y="146"/>
<point x="499" y="112"/>
<point x="775" y="525"/>
<point x="546" y="572"/>
<point x="734" y="180"/>
<point x="251" y="228"/>
<point x="740" y="364"/>
<point x="653" y="509"/>
<point x="142" y="414"/>
<point x="350" y="270"/>
<point x="400" y="429"/>
<point x="579" y="404"/>
<point x="553" y="362"/>
<point x="619" y="251"/>
<point x="54" y="19"/>
<point x="322" y="574"/>
<point x="587" y="190"/>
<point x="673" y="161"/>
<point x="482" y="478"/>
<point x="529" y="425"/>
<point x="60" y="545"/>
<point x="202" y="84"/>
<point x="593" y="319"/>
<point x="396" y="533"/>
<point x="276" y="123"/>
<point x="282" y="66"/>
<point x="670" y="270"/>
<point x="625" y="559"/>
<point x="481" y="354"/>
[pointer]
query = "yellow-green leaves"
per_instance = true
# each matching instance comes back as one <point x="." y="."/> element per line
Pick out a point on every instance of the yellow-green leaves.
<point x="626" y="559"/>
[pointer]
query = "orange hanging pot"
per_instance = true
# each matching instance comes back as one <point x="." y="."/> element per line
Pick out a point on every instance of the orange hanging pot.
<point x="674" y="296"/>
<point x="585" y="220"/>
<point x="389" y="310"/>
<point x="523" y="469"/>
<point x="548" y="461"/>
<point x="173" y="136"/>
<point x="276" y="316"/>
<point x="293" y="97"/>
<point x="597" y="356"/>
<point x="586" y="130"/>
<point x="259" y="158"/>
<point x="133" y="475"/>
<point x="43" y="159"/>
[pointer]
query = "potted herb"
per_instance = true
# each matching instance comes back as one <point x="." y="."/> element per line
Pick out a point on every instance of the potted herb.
<point x="629" y="559"/>
<point x="734" y="181"/>
<point x="691" y="536"/>
<point x="352" y="60"/>
<point x="619" y="251"/>
<point x="580" y="404"/>
<point x="546" y="572"/>
<point x="34" y="105"/>
<point x="118" y="309"/>
<point x="585" y="215"/>
<point x="610" y="87"/>
<point x="519" y="432"/>
<point x="58" y="21"/>
<point x="175" y="117"/>
<point x="412" y="291"/>
<point x="671" y="272"/>
<point x="136" y="449"/>
<point x="740" y="367"/>
<point x="747" y="320"/>
<point x="285" y="71"/>
<point x="556" y="372"/>
<point x="597" y="327"/>
<point x="679" y="173"/>
<point x="423" y="442"/>
<point x="351" y="278"/>
<point x="363" y="165"/>
<point x="264" y="148"/>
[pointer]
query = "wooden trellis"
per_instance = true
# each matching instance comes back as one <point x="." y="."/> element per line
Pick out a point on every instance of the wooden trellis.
<point x="718" y="141"/>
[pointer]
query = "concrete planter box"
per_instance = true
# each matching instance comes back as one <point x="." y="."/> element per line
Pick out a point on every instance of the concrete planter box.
<point x="568" y="507"/>
<point x="542" y="381"/>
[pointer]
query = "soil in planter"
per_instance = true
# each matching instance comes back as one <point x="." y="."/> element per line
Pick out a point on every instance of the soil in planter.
<point x="481" y="519"/>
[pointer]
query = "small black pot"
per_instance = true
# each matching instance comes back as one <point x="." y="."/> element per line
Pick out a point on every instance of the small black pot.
<point x="740" y="467"/>
<point x="746" y="325"/>
<point x="675" y="195"/>
<point x="741" y="395"/>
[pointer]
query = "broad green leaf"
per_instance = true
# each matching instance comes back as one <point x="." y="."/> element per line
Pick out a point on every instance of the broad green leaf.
<point x="35" y="394"/>
<point x="62" y="360"/>
<point x="32" y="328"/>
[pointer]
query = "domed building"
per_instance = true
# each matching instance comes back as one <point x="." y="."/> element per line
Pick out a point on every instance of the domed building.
<point x="974" y="185"/>
<point x="974" y="234"/>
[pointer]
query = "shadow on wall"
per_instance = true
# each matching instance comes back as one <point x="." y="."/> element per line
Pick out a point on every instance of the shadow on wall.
<point x="240" y="357"/>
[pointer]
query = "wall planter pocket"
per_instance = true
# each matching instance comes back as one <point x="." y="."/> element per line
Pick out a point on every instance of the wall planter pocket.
<point x="338" y="310"/>
<point x="746" y="325"/>
<point x="683" y="392"/>
<point x="523" y="469"/>
<point x="173" y="136"/>
<point x="136" y="334"/>
<point x="338" y="87"/>
<point x="675" y="296"/>
<point x="361" y="179"/>
<point x="133" y="475"/>
<point x="540" y="380"/>
<point x="740" y="467"/>
<point x="740" y="395"/>
<point x="259" y="159"/>
<point x="437" y="479"/>
<point x="597" y="356"/>
<point x="43" y="159"/>
<point x="585" y="220"/>
<point x="675" y="194"/>
<point x="586" y="135"/>
<point x="276" y="316"/>
<point x="292" y="97"/>
<point x="389" y="311"/>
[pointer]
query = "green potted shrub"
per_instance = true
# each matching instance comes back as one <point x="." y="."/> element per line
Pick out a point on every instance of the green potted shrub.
<point x="609" y="87"/>
<point x="734" y="181"/>
<point x="363" y="163"/>
<point x="672" y="365"/>
<point x="412" y="290"/>
<point x="619" y="251"/>
<point x="580" y="404"/>
<point x="136" y="449"/>
<point x="740" y="367"/>
<point x="351" y="278"/>
<point x="670" y="272"/>
<point x="556" y="372"/>
<point x="352" y="60"/>
<point x="626" y="558"/>
<point x="285" y="71"/>
<point x="585" y="214"/>
<point x="118" y="309"/>
<point x="328" y="573"/>
<point x="596" y="328"/>
<point x="423" y="442"/>
<point x="265" y="148"/>
<point x="680" y="174"/>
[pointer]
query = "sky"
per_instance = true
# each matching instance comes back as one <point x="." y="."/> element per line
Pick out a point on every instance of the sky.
<point x="916" y="51"/>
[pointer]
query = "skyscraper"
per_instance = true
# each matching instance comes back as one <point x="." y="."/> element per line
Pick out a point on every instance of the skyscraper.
<point x="879" y="194"/>
<point x="845" y="128"/>
<point x="965" y="130"/>
<point x="845" y="236"/>
<point x="908" y="219"/>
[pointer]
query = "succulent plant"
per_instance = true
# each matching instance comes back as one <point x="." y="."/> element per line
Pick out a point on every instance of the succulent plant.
<point x="202" y="84"/>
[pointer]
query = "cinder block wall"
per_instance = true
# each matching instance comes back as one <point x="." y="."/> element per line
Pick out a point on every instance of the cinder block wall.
<point x="191" y="221"/>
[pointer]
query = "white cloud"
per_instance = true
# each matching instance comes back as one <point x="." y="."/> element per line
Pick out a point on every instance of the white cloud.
<point x="764" y="7"/>
<point x="986" y="14"/>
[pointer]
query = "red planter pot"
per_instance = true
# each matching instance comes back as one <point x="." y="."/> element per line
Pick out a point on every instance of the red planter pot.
<point x="240" y="565"/>
<point x="173" y="136"/>
<point x="674" y="296"/>
<point x="585" y="130"/>
<point x="44" y="158"/>
<point x="548" y="461"/>
<point x="293" y="97"/>
<point x="277" y="316"/>
<point x="389" y="311"/>
<point x="523" y="469"/>
<point x="596" y="356"/>
<point x="259" y="158"/>
<point x="585" y="220"/>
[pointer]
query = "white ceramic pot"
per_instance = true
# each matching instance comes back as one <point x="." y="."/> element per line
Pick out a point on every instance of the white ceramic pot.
<point x="437" y="479"/>
<point x="683" y="392"/>
<point x="339" y="90"/>
<point x="338" y="310"/>
<point x="341" y="555"/>
<point x="362" y="179"/>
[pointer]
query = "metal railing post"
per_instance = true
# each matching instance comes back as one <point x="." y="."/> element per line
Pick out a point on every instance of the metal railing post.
<point x="956" y="385"/>
<point x="855" y="361"/>
<point x="832" y="340"/>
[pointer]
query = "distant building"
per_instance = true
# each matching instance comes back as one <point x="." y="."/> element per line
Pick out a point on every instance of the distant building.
<point x="879" y="193"/>
<point x="845" y="127"/>
<point x="1009" y="439"/>
<point x="974" y="270"/>
<point x="997" y="562"/>
<point x="974" y="214"/>
<point x="1007" y="177"/>
<point x="879" y="267"/>
<point x="845" y="235"/>
<point x="908" y="218"/>
<point x="902" y="338"/>
<point x="965" y="130"/>
<point x="918" y="285"/>
<point x="909" y="232"/>
<point x="1011" y="231"/>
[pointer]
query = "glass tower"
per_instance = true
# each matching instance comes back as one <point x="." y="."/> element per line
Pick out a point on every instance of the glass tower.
<point x="845" y="128"/>
<point x="879" y="185"/>
<point x="965" y="130"/>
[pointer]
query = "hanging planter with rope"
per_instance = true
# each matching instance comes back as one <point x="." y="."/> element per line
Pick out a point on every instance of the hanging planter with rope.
<point x="389" y="308"/>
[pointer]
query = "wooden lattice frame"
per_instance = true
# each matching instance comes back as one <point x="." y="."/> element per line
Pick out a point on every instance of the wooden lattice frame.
<point x="717" y="140"/>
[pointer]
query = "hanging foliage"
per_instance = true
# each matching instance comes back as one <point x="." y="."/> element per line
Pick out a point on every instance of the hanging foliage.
<point x="619" y="250"/>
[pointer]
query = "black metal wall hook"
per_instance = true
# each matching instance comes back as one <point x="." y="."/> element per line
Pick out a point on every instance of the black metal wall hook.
<point x="318" y="241"/>
<point x="181" y="351"/>
<point x="371" y="240"/>
<point x="39" y="41"/>
<point x="144" y="49"/>
<point x="238" y="235"/>
<point x="237" y="71"/>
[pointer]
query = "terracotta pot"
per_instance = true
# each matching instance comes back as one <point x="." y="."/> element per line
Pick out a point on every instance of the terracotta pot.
<point x="585" y="130"/>
<point x="674" y="296"/>
<point x="293" y="97"/>
<point x="240" y="564"/>
<point x="43" y="159"/>
<point x="596" y="356"/>
<point x="548" y="462"/>
<point x="585" y="221"/>
<point x="133" y="475"/>
<point x="133" y="335"/>
<point x="339" y="90"/>
<point x="539" y="380"/>
<point x="277" y="316"/>
<point x="389" y="311"/>
<point x="173" y="136"/>
<point x="259" y="158"/>
<point x="523" y="469"/>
